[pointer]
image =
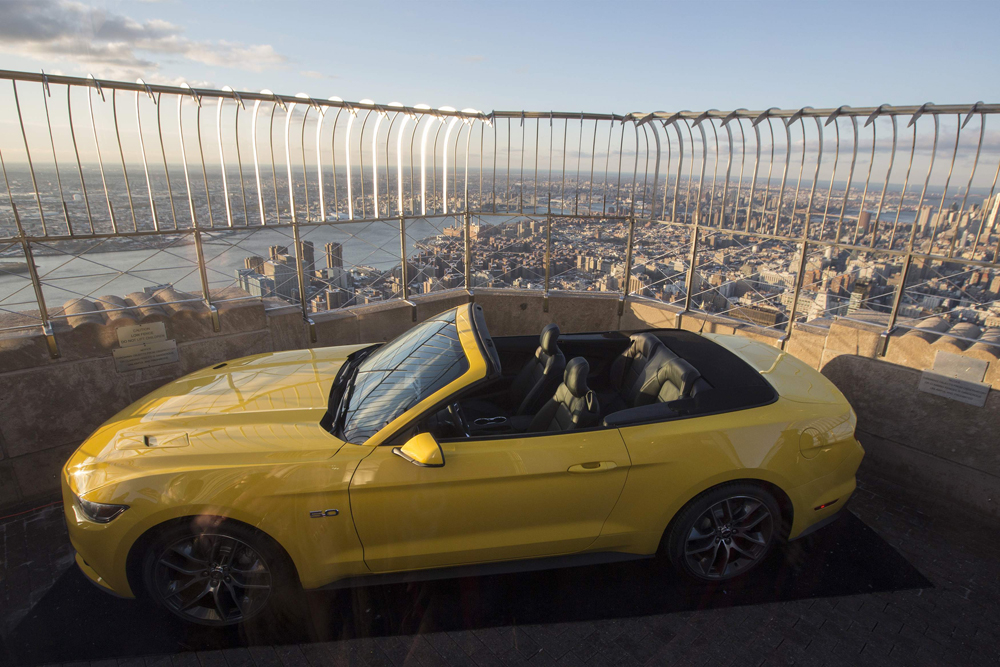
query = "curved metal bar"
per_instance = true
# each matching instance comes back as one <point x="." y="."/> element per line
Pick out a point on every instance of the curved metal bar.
<point x="239" y="158"/>
<point x="121" y="154"/>
<point x="201" y="153"/>
<point x="621" y="151"/>
<point x="222" y="161"/>
<point x="850" y="178"/>
<point x="666" y="172"/>
<point x="784" y="174"/>
<point x="79" y="164"/>
<point x="434" y="147"/>
<point x="947" y="182"/>
<point x="399" y="162"/>
<point x="753" y="180"/>
<point x="704" y="166"/>
<point x="562" y="186"/>
<point x="812" y="189"/>
<point x="142" y="151"/>
<point x="687" y="192"/>
<point x="680" y="165"/>
<point x="548" y="183"/>
<point x="423" y="166"/>
<point x="885" y="184"/>
<point x="743" y="162"/>
<point x="413" y="137"/>
<point x="902" y="193"/>
<point x="506" y="187"/>
<point x="656" y="171"/>
<point x="444" y="165"/>
<point x="927" y="180"/>
<point x="468" y="142"/>
<point x="645" y="178"/>
<point x="493" y="177"/>
<point x="607" y="164"/>
<point x="802" y="167"/>
<point x="972" y="175"/>
<point x="46" y="94"/>
<point x="520" y="186"/>
<point x="302" y="148"/>
<point x="184" y="164"/>
<point x="97" y="146"/>
<point x="833" y="176"/>
<point x="347" y="165"/>
<point x="864" y="194"/>
<point x="378" y="122"/>
<point x="593" y="159"/>
<point x="361" y="163"/>
<point x="579" y="159"/>
<point x="319" y="165"/>
<point x="31" y="167"/>
<point x="163" y="154"/>
<point x="274" y="168"/>
<point x="288" y="166"/>
<point x="256" y="161"/>
<point x="333" y="162"/>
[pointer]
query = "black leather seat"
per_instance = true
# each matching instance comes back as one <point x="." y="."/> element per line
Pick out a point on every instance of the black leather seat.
<point x="649" y="372"/>
<point x="540" y="376"/>
<point x="573" y="405"/>
<point x="678" y="379"/>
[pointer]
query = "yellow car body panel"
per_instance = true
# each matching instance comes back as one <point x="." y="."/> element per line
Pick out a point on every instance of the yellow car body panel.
<point x="243" y="441"/>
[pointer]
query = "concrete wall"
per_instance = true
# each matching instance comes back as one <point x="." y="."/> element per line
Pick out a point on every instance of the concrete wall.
<point x="47" y="407"/>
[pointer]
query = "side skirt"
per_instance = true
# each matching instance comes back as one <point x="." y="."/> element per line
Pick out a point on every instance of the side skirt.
<point x="486" y="569"/>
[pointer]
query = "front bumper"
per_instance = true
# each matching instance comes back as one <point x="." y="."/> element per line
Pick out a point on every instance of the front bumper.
<point x="95" y="578"/>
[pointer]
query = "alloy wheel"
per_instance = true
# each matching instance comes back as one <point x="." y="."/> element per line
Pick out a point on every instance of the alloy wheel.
<point x="729" y="537"/>
<point x="213" y="579"/>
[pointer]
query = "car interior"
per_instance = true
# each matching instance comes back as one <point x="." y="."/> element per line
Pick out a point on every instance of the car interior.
<point x="556" y="382"/>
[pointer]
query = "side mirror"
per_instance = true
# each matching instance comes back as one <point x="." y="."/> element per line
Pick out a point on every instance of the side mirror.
<point x="421" y="450"/>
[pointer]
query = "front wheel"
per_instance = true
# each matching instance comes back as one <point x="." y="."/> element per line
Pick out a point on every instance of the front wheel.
<point x="224" y="574"/>
<point x="725" y="532"/>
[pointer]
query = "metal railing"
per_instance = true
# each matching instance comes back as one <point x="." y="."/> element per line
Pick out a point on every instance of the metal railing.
<point x="875" y="213"/>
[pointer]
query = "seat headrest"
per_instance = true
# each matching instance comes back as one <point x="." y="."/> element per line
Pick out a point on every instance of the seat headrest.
<point x="575" y="377"/>
<point x="645" y="344"/>
<point x="550" y="336"/>
<point x="679" y="373"/>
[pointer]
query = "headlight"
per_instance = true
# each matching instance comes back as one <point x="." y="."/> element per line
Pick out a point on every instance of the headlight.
<point x="99" y="512"/>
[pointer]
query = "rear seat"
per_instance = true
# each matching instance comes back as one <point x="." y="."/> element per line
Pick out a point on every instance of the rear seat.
<point x="649" y="372"/>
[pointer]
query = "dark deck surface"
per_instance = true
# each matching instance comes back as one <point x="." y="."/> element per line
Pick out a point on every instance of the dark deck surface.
<point x="893" y="583"/>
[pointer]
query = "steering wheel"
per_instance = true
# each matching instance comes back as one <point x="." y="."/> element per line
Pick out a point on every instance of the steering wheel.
<point x="458" y="419"/>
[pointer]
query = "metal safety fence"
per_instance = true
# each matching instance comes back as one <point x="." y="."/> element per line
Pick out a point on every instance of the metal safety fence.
<point x="117" y="191"/>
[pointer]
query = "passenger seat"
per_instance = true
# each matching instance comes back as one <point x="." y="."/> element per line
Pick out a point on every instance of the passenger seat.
<point x="573" y="405"/>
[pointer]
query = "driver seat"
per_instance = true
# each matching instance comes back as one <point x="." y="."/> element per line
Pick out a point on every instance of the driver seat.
<point x="573" y="406"/>
<point x="538" y="378"/>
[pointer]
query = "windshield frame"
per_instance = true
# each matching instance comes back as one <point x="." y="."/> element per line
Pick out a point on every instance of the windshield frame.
<point x="476" y="371"/>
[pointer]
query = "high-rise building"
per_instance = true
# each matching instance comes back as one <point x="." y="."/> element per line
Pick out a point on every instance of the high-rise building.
<point x="308" y="257"/>
<point x="255" y="263"/>
<point x="335" y="255"/>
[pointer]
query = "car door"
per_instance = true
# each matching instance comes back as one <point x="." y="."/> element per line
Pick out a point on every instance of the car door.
<point x="493" y="499"/>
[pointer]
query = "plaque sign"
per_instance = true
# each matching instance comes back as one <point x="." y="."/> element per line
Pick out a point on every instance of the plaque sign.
<point x="956" y="377"/>
<point x="144" y="355"/>
<point x="137" y="334"/>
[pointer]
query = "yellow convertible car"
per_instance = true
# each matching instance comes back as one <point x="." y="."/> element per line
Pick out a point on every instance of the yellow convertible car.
<point x="425" y="458"/>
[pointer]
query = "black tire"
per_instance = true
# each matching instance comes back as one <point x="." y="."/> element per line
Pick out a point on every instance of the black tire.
<point x="725" y="532"/>
<point x="214" y="572"/>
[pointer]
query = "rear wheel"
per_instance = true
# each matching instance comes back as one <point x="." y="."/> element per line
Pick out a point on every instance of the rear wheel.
<point x="224" y="574"/>
<point x="725" y="532"/>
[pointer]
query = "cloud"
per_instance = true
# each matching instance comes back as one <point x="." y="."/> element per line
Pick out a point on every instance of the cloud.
<point x="113" y="45"/>
<point x="474" y="59"/>
<point x="313" y="74"/>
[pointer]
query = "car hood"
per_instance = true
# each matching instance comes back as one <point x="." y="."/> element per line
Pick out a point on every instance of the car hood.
<point x="263" y="409"/>
<point x="791" y="378"/>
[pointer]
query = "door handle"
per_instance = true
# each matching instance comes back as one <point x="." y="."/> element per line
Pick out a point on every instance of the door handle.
<point x="593" y="466"/>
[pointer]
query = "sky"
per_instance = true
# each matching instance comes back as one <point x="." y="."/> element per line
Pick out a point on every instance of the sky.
<point x="542" y="55"/>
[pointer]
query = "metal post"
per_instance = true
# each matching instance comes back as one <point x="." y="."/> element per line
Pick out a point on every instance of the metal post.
<point x="692" y="258"/>
<point x="798" y="288"/>
<point x="548" y="257"/>
<point x="468" y="251"/>
<point x="203" y="274"/>
<point x="628" y="265"/>
<point x="404" y="264"/>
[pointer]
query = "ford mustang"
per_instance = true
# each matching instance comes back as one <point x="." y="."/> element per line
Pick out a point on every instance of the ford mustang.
<point x="449" y="453"/>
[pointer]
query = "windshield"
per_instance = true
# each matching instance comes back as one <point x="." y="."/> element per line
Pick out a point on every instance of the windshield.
<point x="402" y="373"/>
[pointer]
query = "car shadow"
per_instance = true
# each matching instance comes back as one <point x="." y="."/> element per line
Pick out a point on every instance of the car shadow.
<point x="75" y="621"/>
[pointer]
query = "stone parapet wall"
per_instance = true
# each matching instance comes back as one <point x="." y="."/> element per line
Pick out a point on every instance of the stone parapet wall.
<point x="49" y="406"/>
